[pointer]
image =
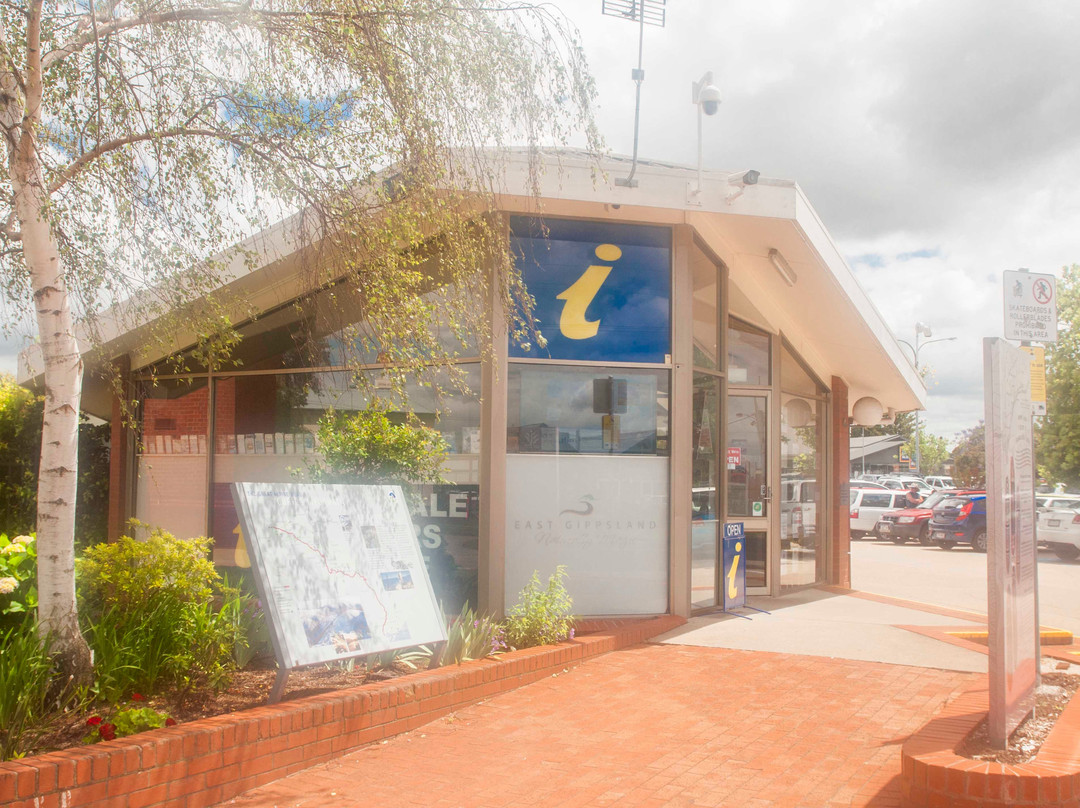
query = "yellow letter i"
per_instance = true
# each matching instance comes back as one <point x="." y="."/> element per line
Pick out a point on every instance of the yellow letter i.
<point x="580" y="294"/>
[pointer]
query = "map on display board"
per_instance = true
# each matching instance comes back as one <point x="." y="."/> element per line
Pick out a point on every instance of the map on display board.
<point x="339" y="570"/>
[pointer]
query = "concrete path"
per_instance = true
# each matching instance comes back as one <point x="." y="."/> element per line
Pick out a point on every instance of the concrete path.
<point x="822" y="623"/>
<point x="669" y="725"/>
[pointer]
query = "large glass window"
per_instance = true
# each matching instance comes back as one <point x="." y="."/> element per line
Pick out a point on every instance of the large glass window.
<point x="706" y="285"/>
<point x="748" y="354"/>
<point x="802" y="456"/>
<point x="578" y="410"/>
<point x="171" y="465"/>
<point x="266" y="431"/>
<point x="322" y="331"/>
<point x="705" y="491"/>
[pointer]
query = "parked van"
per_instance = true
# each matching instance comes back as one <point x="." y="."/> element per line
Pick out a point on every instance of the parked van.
<point x="798" y="511"/>
<point x="868" y="505"/>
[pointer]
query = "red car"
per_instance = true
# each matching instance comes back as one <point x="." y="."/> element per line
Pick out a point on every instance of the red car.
<point x="914" y="523"/>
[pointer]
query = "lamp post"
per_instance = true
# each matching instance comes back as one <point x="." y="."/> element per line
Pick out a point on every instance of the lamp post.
<point x="921" y="330"/>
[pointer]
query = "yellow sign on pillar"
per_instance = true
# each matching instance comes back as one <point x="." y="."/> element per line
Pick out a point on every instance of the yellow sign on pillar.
<point x="1038" y="378"/>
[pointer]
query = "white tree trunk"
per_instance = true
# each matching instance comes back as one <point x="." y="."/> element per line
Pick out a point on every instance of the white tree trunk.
<point x="58" y="474"/>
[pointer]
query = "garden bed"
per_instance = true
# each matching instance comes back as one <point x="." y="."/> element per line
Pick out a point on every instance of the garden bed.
<point x="935" y="772"/>
<point x="212" y="759"/>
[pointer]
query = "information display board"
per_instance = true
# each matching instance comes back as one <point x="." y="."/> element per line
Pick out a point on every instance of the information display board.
<point x="339" y="570"/>
<point x="1011" y="569"/>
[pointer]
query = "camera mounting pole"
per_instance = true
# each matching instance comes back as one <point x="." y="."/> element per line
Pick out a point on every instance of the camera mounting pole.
<point x="652" y="12"/>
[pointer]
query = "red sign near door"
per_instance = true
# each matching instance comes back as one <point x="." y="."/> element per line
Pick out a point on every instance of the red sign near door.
<point x="734" y="456"/>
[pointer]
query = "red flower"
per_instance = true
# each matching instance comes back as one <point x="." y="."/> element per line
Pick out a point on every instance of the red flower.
<point x="138" y="697"/>
<point x="107" y="732"/>
<point x="93" y="721"/>
<point x="170" y="722"/>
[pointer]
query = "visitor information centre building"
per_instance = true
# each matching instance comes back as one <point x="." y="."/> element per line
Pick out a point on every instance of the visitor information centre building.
<point x="707" y="351"/>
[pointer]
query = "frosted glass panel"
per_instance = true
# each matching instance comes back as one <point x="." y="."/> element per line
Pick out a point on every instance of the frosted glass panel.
<point x="604" y="518"/>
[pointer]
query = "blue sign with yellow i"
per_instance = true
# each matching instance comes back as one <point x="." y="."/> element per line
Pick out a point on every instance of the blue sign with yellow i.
<point x="602" y="291"/>
<point x="734" y="581"/>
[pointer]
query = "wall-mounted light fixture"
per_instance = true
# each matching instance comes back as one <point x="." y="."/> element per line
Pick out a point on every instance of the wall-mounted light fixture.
<point x="783" y="267"/>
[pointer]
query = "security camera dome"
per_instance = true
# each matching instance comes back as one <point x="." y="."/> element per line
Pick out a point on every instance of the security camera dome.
<point x="709" y="97"/>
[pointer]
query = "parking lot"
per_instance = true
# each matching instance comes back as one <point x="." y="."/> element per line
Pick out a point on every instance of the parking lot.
<point x="957" y="578"/>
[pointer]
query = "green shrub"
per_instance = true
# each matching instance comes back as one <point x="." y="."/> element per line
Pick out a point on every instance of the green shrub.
<point x="20" y="453"/>
<point x="542" y="616"/>
<point x="26" y="677"/>
<point x="245" y="615"/>
<point x="471" y="636"/>
<point x="125" y="721"/>
<point x="131" y="574"/>
<point x="148" y="608"/>
<point x="18" y="579"/>
<point x="186" y="646"/>
<point x="367" y="447"/>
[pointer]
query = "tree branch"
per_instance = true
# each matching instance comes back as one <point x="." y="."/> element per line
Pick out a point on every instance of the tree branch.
<point x="227" y="12"/>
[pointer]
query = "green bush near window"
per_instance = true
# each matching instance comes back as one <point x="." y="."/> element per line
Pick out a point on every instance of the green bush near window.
<point x="131" y="574"/>
<point x="369" y="447"/>
<point x="153" y="616"/>
<point x="542" y="615"/>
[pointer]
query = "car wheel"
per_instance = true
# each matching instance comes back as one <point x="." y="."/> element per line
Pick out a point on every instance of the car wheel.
<point x="924" y="536"/>
<point x="1066" y="552"/>
<point x="857" y="534"/>
<point x="945" y="545"/>
<point x="978" y="541"/>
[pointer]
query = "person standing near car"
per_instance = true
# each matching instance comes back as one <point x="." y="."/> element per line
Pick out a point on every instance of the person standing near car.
<point x="914" y="498"/>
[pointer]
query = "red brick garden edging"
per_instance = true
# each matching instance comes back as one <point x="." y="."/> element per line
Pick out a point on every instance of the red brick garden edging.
<point x="932" y="774"/>
<point x="207" y="761"/>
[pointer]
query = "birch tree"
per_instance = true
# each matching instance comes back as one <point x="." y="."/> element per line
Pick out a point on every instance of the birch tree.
<point x="143" y="136"/>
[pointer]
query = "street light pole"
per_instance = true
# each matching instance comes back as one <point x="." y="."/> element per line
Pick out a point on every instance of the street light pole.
<point x="921" y="330"/>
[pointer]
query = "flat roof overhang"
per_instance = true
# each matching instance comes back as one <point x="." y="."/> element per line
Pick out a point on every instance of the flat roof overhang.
<point x="825" y="315"/>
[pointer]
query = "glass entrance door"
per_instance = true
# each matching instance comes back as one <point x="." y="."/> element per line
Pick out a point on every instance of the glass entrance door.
<point x="705" y="488"/>
<point x="749" y="495"/>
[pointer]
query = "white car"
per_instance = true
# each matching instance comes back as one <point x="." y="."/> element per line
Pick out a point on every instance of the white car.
<point x="1059" y="529"/>
<point x="905" y="483"/>
<point x="939" y="482"/>
<point x="867" y="506"/>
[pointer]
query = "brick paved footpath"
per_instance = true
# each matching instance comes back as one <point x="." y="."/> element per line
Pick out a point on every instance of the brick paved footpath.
<point x="651" y="725"/>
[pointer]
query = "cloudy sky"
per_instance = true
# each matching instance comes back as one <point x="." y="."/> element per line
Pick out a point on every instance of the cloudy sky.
<point x="939" y="141"/>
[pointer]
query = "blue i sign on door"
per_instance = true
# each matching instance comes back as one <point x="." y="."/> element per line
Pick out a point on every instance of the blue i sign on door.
<point x="734" y="582"/>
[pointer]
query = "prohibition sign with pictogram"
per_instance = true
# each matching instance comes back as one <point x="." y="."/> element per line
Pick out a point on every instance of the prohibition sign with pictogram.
<point x="1030" y="306"/>
<point x="1042" y="291"/>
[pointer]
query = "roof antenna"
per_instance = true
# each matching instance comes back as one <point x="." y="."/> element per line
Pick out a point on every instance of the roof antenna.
<point x="652" y="12"/>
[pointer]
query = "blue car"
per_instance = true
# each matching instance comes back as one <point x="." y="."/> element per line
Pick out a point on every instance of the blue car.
<point x="960" y="520"/>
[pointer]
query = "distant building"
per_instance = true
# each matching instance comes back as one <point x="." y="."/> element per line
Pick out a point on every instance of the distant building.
<point x="878" y="454"/>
